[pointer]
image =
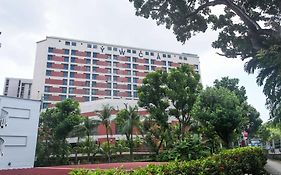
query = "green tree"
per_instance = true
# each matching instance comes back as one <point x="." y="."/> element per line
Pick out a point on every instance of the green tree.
<point x="248" y="29"/>
<point x="183" y="87"/>
<point x="220" y="110"/>
<point x="58" y="122"/>
<point x="251" y="117"/>
<point x="90" y="148"/>
<point x="104" y="116"/>
<point x="152" y="97"/>
<point x="129" y="119"/>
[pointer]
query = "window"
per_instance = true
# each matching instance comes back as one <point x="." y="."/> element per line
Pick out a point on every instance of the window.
<point x="115" y="78"/>
<point x="108" y="85"/>
<point x="87" y="91"/>
<point x="109" y="48"/>
<point x="108" y="78"/>
<point x="49" y="65"/>
<point x="108" y="70"/>
<point x="89" y="45"/>
<point x="94" y="91"/>
<point x="114" y="48"/>
<point x="72" y="74"/>
<point x="135" y="80"/>
<point x="147" y="61"/>
<point x="72" y="67"/>
<point x="67" y="43"/>
<point x="108" y="92"/>
<point x="66" y="51"/>
<point x="73" y="52"/>
<point x="146" y="67"/>
<point x="115" y="85"/>
<point x="71" y="90"/>
<point x="129" y="79"/>
<point x="94" y="76"/>
<point x="151" y="53"/>
<point x="95" y="46"/>
<point x="135" y="87"/>
<point x="50" y="57"/>
<point x="66" y="59"/>
<point x="48" y="72"/>
<point x="88" y="54"/>
<point x="134" y="59"/>
<point x="86" y="98"/>
<point x="65" y="66"/>
<point x="88" y="76"/>
<point x="50" y="49"/>
<point x="129" y="59"/>
<point x="164" y="63"/>
<point x="196" y="66"/>
<point x="134" y="66"/>
<point x="62" y="97"/>
<point x="134" y="51"/>
<point x="64" y="81"/>
<point x="169" y="56"/>
<point x="153" y="68"/>
<point x="180" y="58"/>
<point x="95" y="62"/>
<point x="129" y="94"/>
<point x="115" y="71"/>
<point x="184" y="58"/>
<point x="108" y="56"/>
<point x="47" y="89"/>
<point x="88" y="61"/>
<point x="87" y="83"/>
<point x="128" y="72"/>
<point x="146" y="53"/>
<point x="88" y="68"/>
<point x="135" y="94"/>
<point x="73" y="43"/>
<point x="71" y="96"/>
<point x="115" y="57"/>
<point x="63" y="89"/>
<point x="164" y="55"/>
<point x="95" y="55"/>
<point x="71" y="82"/>
<point x="45" y="105"/>
<point x="115" y="93"/>
<point x="134" y="73"/>
<point x="94" y="98"/>
<point x="128" y="50"/>
<point x="46" y="97"/>
<point x="128" y="65"/>
<point x="169" y="63"/>
<point x="129" y="86"/>
<point x="152" y="61"/>
<point x="94" y="69"/>
<point x="73" y="59"/>
<point x="65" y="74"/>
<point x="94" y="84"/>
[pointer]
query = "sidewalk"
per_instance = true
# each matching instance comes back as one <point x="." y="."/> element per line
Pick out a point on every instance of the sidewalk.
<point x="273" y="167"/>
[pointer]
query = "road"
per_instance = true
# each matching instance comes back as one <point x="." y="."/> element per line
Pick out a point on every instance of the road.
<point x="273" y="167"/>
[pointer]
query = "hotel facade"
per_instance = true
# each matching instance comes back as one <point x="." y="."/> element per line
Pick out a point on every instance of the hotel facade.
<point x="89" y="71"/>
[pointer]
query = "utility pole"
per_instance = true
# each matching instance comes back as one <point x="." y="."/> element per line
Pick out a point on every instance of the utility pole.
<point x="0" y="42"/>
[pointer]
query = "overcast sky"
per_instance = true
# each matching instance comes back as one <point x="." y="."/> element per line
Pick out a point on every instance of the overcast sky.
<point x="25" y="22"/>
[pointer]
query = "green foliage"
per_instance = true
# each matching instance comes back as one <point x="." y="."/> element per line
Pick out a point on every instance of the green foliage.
<point x="188" y="149"/>
<point x="219" y="109"/>
<point x="248" y="29"/>
<point x="129" y="119"/>
<point x="247" y="160"/>
<point x="54" y="126"/>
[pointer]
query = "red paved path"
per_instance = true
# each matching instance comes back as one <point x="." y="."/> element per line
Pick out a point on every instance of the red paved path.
<point x="63" y="170"/>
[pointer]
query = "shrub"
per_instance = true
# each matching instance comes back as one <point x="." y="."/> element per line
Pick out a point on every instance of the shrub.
<point x="239" y="161"/>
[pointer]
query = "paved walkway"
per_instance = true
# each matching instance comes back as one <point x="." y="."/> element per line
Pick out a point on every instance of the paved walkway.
<point x="273" y="167"/>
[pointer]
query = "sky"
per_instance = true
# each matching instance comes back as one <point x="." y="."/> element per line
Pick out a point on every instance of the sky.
<point x="25" y="22"/>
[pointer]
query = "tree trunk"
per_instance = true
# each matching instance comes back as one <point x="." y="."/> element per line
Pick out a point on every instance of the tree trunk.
<point x="131" y="147"/>
<point x="109" y="151"/>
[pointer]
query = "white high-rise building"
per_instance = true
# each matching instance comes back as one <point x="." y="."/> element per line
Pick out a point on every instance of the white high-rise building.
<point x="88" y="71"/>
<point x="17" y="87"/>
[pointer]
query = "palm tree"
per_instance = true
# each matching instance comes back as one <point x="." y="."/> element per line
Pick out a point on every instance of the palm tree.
<point x="104" y="117"/>
<point x="129" y="119"/>
<point x="82" y="130"/>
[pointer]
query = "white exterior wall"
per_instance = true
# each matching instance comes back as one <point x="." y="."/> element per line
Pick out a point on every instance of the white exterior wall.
<point x="17" y="87"/>
<point x="20" y="134"/>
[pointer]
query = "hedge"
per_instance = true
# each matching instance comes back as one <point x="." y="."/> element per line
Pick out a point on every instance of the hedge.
<point x="238" y="161"/>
